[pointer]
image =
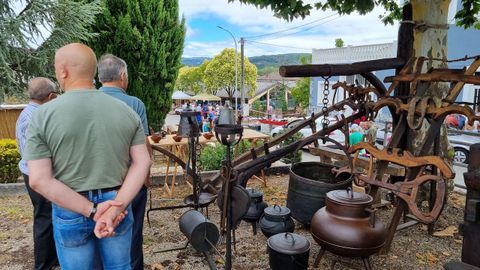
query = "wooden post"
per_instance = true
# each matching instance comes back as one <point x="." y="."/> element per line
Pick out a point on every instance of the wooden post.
<point x="268" y="102"/>
<point x="404" y="51"/>
<point x="471" y="225"/>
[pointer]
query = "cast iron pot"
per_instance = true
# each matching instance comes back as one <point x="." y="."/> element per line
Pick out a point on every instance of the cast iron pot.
<point x="257" y="205"/>
<point x="276" y="219"/>
<point x="346" y="226"/>
<point x="288" y="251"/>
<point x="308" y="185"/>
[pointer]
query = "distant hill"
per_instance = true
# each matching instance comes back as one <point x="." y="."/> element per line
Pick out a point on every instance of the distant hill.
<point x="263" y="62"/>
<point x="193" y="61"/>
<point x="277" y="60"/>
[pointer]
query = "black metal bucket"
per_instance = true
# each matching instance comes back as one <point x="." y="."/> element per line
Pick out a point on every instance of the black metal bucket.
<point x="308" y="185"/>
<point x="202" y="234"/>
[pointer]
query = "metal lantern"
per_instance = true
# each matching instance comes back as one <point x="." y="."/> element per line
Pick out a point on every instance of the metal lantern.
<point x="188" y="126"/>
<point x="227" y="116"/>
<point x="227" y="134"/>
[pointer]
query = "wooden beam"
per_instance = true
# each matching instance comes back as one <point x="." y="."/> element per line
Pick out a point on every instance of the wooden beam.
<point x="341" y="69"/>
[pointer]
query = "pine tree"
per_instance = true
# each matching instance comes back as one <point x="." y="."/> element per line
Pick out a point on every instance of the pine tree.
<point x="30" y="36"/>
<point x="149" y="36"/>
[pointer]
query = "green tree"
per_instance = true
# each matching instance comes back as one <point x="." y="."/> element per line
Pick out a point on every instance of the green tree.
<point x="290" y="9"/>
<point x="30" y="36"/>
<point x="189" y="80"/>
<point x="339" y="43"/>
<point x="301" y="91"/>
<point x="149" y="36"/>
<point x="220" y="73"/>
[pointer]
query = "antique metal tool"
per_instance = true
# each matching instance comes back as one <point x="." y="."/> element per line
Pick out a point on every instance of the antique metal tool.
<point x="408" y="190"/>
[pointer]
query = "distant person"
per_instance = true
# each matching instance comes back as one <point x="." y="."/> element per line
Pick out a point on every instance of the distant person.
<point x="370" y="132"/>
<point x="461" y="119"/>
<point x="451" y="121"/>
<point x="40" y="91"/>
<point x="79" y="148"/>
<point x="355" y="135"/>
<point x="113" y="74"/>
<point x="199" y="115"/>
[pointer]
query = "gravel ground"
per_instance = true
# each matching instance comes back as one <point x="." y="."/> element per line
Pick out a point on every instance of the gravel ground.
<point x="412" y="248"/>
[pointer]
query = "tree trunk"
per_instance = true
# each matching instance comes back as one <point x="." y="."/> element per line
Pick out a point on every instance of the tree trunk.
<point x="430" y="40"/>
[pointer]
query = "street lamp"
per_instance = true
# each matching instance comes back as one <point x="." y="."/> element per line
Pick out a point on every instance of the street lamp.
<point x="236" y="68"/>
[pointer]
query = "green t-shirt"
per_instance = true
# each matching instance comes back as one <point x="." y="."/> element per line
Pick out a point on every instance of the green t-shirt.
<point x="88" y="136"/>
<point x="355" y="138"/>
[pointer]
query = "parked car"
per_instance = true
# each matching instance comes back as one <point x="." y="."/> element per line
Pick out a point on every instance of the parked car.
<point x="307" y="131"/>
<point x="461" y="143"/>
<point x="458" y="140"/>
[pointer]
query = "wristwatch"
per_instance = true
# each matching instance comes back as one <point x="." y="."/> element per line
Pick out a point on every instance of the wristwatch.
<point x="93" y="211"/>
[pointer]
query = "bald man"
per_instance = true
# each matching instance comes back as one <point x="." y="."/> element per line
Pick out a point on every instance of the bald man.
<point x="40" y="90"/>
<point x="78" y="152"/>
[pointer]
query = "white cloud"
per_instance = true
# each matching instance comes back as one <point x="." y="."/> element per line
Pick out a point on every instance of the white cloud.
<point x="354" y="29"/>
<point x="190" y="31"/>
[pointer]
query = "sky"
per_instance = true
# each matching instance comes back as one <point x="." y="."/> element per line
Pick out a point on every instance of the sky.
<point x="204" y="38"/>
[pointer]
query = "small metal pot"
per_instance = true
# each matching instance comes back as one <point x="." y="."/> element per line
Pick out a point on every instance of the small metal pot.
<point x="202" y="234"/>
<point x="257" y="205"/>
<point x="255" y="211"/>
<point x="276" y="219"/>
<point x="288" y="251"/>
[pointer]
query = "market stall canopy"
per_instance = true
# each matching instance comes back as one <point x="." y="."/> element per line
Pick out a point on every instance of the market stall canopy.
<point x="205" y="96"/>
<point x="180" y="95"/>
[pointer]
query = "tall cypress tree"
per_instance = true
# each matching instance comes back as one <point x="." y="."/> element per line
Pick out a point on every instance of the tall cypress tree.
<point x="149" y="36"/>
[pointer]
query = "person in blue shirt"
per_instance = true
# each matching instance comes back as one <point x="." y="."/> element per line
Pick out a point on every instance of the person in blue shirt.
<point x="113" y="74"/>
<point x="40" y="91"/>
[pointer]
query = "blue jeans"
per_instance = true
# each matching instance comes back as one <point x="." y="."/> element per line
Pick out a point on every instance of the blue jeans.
<point x="77" y="245"/>
<point x="138" y="210"/>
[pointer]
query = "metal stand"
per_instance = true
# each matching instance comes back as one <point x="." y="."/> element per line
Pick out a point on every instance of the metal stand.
<point x="321" y="252"/>
<point x="188" y="127"/>
<point x="226" y="134"/>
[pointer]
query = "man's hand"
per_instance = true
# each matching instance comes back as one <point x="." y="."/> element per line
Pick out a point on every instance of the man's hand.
<point x="106" y="223"/>
<point x="104" y="206"/>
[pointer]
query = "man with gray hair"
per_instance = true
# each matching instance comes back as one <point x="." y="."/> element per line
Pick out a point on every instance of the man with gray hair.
<point x="40" y="90"/>
<point x="113" y="74"/>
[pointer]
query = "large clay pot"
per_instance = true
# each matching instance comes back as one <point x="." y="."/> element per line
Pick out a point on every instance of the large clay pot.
<point x="346" y="226"/>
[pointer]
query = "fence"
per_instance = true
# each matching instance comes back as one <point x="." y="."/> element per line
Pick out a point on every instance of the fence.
<point x="8" y="119"/>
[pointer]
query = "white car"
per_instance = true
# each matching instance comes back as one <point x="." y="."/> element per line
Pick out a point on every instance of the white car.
<point x="461" y="144"/>
<point x="307" y="131"/>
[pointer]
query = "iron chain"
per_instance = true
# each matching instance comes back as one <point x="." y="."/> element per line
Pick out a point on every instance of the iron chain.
<point x="326" y="94"/>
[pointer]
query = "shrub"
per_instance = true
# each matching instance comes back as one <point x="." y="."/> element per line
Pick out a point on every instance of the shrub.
<point x="9" y="158"/>
<point x="211" y="157"/>
<point x="296" y="156"/>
